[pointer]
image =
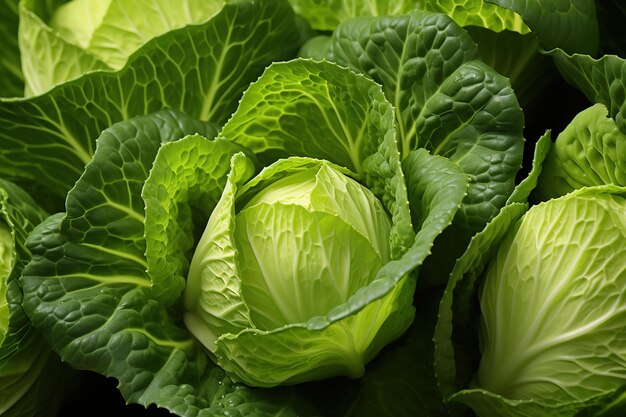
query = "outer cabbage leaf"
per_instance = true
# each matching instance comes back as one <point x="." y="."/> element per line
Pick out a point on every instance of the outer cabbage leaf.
<point x="11" y="77"/>
<point x="555" y="364"/>
<point x="518" y="57"/>
<point x="444" y="101"/>
<point x="176" y="200"/>
<point x="201" y="70"/>
<point x="570" y="25"/>
<point x="590" y="151"/>
<point x="32" y="379"/>
<point x="504" y="41"/>
<point x="219" y="298"/>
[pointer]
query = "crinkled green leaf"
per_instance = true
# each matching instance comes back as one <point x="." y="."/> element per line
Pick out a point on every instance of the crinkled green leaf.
<point x="601" y="80"/>
<point x="478" y="13"/>
<point x="105" y="209"/>
<point x="570" y="25"/>
<point x="183" y="187"/>
<point x="410" y="56"/>
<point x="201" y="70"/>
<point x="423" y="173"/>
<point x="320" y="110"/>
<point x="444" y="101"/>
<point x="11" y="77"/>
<point x="517" y="56"/>
<point x="310" y="108"/>
<point x="213" y="297"/>
<point x="590" y="151"/>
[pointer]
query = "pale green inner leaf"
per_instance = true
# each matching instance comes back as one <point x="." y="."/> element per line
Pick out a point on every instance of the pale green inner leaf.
<point x="77" y="20"/>
<point x="304" y="251"/>
<point x="298" y="264"/>
<point x="112" y="30"/>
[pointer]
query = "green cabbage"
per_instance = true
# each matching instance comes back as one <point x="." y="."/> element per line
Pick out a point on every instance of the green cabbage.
<point x="305" y="239"/>
<point x="553" y="303"/>
<point x="552" y="311"/>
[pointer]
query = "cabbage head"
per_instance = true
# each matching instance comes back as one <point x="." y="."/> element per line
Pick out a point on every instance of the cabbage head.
<point x="554" y="302"/>
<point x="552" y="310"/>
<point x="277" y="256"/>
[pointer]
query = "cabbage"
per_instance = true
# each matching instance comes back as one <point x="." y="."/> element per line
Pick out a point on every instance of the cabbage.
<point x="553" y="308"/>
<point x="304" y="241"/>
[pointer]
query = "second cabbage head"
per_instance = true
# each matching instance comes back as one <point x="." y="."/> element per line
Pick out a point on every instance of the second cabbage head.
<point x="545" y="288"/>
<point x="279" y="254"/>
